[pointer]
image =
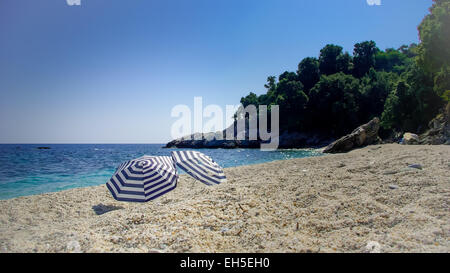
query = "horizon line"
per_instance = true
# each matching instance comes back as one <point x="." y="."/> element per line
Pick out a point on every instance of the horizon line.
<point x="75" y="143"/>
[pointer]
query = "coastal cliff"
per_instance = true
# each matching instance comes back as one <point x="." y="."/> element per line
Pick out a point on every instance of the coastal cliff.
<point x="366" y="134"/>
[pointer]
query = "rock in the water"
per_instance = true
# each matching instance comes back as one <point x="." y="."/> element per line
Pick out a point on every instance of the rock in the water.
<point x="364" y="135"/>
<point x="410" y="139"/>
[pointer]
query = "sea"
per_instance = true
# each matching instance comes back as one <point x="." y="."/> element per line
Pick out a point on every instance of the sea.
<point x="27" y="170"/>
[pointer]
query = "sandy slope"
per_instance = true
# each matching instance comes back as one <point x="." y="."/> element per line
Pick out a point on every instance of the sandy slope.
<point x="334" y="203"/>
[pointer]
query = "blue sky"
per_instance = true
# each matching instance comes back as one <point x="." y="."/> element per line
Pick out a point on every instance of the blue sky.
<point x="110" y="71"/>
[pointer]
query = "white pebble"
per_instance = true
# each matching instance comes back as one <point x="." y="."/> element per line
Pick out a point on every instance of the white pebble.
<point x="74" y="246"/>
<point x="373" y="247"/>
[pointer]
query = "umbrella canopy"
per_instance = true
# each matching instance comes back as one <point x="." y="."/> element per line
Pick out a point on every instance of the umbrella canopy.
<point x="199" y="166"/>
<point x="143" y="179"/>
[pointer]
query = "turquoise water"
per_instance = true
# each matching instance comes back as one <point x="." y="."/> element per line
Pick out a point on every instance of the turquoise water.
<point x="26" y="170"/>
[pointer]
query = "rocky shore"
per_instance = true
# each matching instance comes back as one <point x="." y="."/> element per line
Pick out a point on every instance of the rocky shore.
<point x="286" y="140"/>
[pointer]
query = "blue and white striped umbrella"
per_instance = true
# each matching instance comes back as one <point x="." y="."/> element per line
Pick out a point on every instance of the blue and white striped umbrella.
<point x="199" y="166"/>
<point x="143" y="179"/>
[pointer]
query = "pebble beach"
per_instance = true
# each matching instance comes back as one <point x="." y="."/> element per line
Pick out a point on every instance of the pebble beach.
<point x="381" y="198"/>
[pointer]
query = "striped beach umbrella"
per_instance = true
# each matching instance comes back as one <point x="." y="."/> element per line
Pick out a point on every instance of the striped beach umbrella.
<point x="143" y="179"/>
<point x="199" y="166"/>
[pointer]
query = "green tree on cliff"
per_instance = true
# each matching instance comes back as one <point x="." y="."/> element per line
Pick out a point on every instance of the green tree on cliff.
<point x="427" y="77"/>
<point x="364" y="57"/>
<point x="308" y="72"/>
<point x="434" y="49"/>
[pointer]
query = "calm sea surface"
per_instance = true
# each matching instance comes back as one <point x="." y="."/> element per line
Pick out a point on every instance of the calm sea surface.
<point x="26" y="170"/>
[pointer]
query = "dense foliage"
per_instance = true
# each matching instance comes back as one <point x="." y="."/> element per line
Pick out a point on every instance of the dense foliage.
<point x="336" y="92"/>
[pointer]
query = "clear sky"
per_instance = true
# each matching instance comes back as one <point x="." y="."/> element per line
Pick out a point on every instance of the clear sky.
<point x="110" y="71"/>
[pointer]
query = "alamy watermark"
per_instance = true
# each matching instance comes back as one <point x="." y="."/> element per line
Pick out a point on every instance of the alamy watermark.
<point x="73" y="2"/>
<point x="374" y="2"/>
<point x="250" y="123"/>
